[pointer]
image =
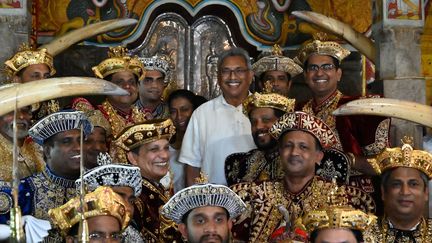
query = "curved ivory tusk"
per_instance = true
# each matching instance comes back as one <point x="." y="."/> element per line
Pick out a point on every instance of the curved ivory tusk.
<point x="63" y="42"/>
<point x="407" y="110"/>
<point x="46" y="89"/>
<point x="342" y="30"/>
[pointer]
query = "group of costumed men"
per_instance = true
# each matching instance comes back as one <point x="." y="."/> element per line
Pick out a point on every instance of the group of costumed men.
<point x="91" y="173"/>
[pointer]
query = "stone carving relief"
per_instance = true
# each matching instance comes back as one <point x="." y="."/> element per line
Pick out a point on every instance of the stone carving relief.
<point x="193" y="50"/>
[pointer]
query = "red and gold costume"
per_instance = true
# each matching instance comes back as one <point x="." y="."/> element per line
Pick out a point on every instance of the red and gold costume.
<point x="118" y="60"/>
<point x="359" y="135"/>
<point x="264" y="200"/>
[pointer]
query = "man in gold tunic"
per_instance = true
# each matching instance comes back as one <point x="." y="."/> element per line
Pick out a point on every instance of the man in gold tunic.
<point x="126" y="71"/>
<point x="30" y="160"/>
<point x="405" y="173"/>
<point x="276" y="205"/>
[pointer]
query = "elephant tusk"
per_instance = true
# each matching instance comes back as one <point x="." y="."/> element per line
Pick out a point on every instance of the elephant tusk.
<point x="45" y="89"/>
<point x="63" y="42"/>
<point x="342" y="30"/>
<point x="407" y="110"/>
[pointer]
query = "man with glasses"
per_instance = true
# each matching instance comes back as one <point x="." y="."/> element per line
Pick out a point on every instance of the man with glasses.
<point x="151" y="88"/>
<point x="125" y="71"/>
<point x="218" y="127"/>
<point x="360" y="136"/>
<point x="107" y="215"/>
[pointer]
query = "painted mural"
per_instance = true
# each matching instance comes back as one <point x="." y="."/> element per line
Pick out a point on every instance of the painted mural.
<point x="262" y="22"/>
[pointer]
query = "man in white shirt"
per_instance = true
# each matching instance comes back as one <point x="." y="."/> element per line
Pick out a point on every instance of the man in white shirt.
<point x="219" y="128"/>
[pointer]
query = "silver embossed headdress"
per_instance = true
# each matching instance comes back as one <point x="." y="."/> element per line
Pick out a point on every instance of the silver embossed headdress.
<point x="158" y="63"/>
<point x="59" y="122"/>
<point x="202" y="195"/>
<point x="109" y="174"/>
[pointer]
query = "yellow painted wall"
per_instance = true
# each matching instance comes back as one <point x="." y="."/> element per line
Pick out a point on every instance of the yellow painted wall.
<point x="426" y="47"/>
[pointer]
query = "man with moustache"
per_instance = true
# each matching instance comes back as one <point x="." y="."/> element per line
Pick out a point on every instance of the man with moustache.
<point x="59" y="134"/>
<point x="29" y="65"/>
<point x="405" y="173"/>
<point x="125" y="71"/>
<point x="260" y="164"/>
<point x="38" y="65"/>
<point x="151" y="88"/>
<point x="277" y="205"/>
<point x="30" y="159"/>
<point x="97" y="141"/>
<point x="107" y="217"/>
<point x="204" y="212"/>
<point x="218" y="128"/>
<point x="123" y="179"/>
<point x="147" y="147"/>
<point x="276" y="69"/>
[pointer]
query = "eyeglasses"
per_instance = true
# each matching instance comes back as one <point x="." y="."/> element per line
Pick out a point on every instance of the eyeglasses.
<point x="101" y="237"/>
<point x="324" y="67"/>
<point x="239" y="72"/>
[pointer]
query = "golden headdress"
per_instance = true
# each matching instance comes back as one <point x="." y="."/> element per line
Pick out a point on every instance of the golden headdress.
<point x="305" y="122"/>
<point x="146" y="132"/>
<point x="317" y="47"/>
<point x="103" y="201"/>
<point x="404" y="156"/>
<point x="26" y="57"/>
<point x="270" y="100"/>
<point x="337" y="212"/>
<point x="276" y="62"/>
<point x="119" y="60"/>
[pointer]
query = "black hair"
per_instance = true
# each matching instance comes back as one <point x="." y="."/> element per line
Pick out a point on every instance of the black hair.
<point x="385" y="176"/>
<point x="195" y="100"/>
<point x="357" y="234"/>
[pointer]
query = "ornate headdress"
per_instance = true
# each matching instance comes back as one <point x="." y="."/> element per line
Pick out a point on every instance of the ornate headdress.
<point x="202" y="195"/>
<point x="146" y="132"/>
<point x="118" y="60"/>
<point x="337" y="213"/>
<point x="103" y="201"/>
<point x="108" y="174"/>
<point x="157" y="63"/>
<point x="59" y="122"/>
<point x="317" y="47"/>
<point x="273" y="100"/>
<point x="405" y="156"/>
<point x="26" y="57"/>
<point x="95" y="116"/>
<point x="276" y="62"/>
<point x="308" y="123"/>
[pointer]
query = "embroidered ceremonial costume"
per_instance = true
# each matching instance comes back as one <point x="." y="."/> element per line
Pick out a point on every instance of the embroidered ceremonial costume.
<point x="265" y="199"/>
<point x="354" y="132"/>
<point x="383" y="232"/>
<point x="253" y="166"/>
<point x="30" y="160"/>
<point x="153" y="226"/>
<point x="160" y="112"/>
